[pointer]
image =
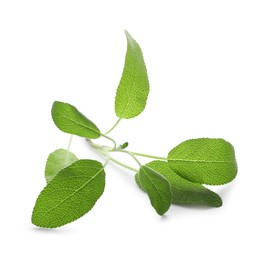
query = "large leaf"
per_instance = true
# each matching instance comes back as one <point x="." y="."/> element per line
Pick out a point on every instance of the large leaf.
<point x="57" y="161"/>
<point x="204" y="160"/>
<point x="70" y="194"/>
<point x="133" y="89"/>
<point x="157" y="188"/>
<point x="68" y="119"/>
<point x="184" y="192"/>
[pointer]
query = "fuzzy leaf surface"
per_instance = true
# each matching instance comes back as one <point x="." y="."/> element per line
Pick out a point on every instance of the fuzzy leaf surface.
<point x="133" y="89"/>
<point x="70" y="194"/>
<point x="57" y="161"/>
<point x="184" y="192"/>
<point x="70" y="120"/>
<point x="204" y="160"/>
<point x="157" y="187"/>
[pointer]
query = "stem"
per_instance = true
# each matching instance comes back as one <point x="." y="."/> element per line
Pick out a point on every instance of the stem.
<point x="102" y="150"/>
<point x="116" y="161"/>
<point x="123" y="165"/>
<point x="129" y="153"/>
<point x="106" y="163"/>
<point x="69" y="143"/>
<point x="97" y="145"/>
<point x="117" y="122"/>
<point x="148" y="155"/>
<point x="109" y="138"/>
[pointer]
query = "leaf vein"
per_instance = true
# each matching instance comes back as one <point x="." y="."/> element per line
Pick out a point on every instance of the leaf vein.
<point x="80" y="188"/>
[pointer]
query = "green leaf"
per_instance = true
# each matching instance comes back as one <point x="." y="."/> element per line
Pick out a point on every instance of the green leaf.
<point x="57" y="161"/>
<point x="133" y="89"/>
<point x="68" y="119"/>
<point x="184" y="192"/>
<point x="70" y="194"/>
<point x="124" y="145"/>
<point x="157" y="188"/>
<point x="204" y="160"/>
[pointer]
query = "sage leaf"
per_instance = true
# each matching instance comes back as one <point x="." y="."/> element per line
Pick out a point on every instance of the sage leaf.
<point x="70" y="194"/>
<point x="184" y="192"/>
<point x="57" y="161"/>
<point x="204" y="160"/>
<point x="157" y="187"/>
<point x="68" y="119"/>
<point x="133" y="89"/>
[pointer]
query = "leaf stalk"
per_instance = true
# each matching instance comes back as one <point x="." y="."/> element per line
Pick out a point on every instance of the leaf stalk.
<point x="117" y="122"/>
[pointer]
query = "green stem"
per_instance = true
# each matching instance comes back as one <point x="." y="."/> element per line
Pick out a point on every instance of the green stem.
<point x="123" y="165"/>
<point x="103" y="151"/>
<point x="69" y="143"/>
<point x="109" y="138"/>
<point x="108" y="148"/>
<point x="117" y="122"/>
<point x="116" y="161"/>
<point x="148" y="155"/>
<point x="106" y="163"/>
<point x="92" y="144"/>
<point x="129" y="153"/>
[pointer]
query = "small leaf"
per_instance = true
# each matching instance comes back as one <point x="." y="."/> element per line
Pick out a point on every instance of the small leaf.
<point x="204" y="160"/>
<point x="133" y="89"/>
<point x="70" y="194"/>
<point x="124" y="145"/>
<point x="157" y="188"/>
<point x="57" y="161"/>
<point x="184" y="192"/>
<point x="68" y="119"/>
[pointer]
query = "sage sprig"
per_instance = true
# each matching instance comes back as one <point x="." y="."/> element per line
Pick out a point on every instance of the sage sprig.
<point x="74" y="185"/>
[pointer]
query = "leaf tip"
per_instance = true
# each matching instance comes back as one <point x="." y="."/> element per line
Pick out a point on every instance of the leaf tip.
<point x="218" y="202"/>
<point x="127" y="33"/>
<point x="161" y="212"/>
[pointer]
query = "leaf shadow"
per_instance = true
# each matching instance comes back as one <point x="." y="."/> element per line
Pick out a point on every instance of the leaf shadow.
<point x="194" y="207"/>
<point x="164" y="217"/>
<point x="49" y="230"/>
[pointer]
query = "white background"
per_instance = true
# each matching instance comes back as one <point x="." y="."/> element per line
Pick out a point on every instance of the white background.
<point x="208" y="64"/>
